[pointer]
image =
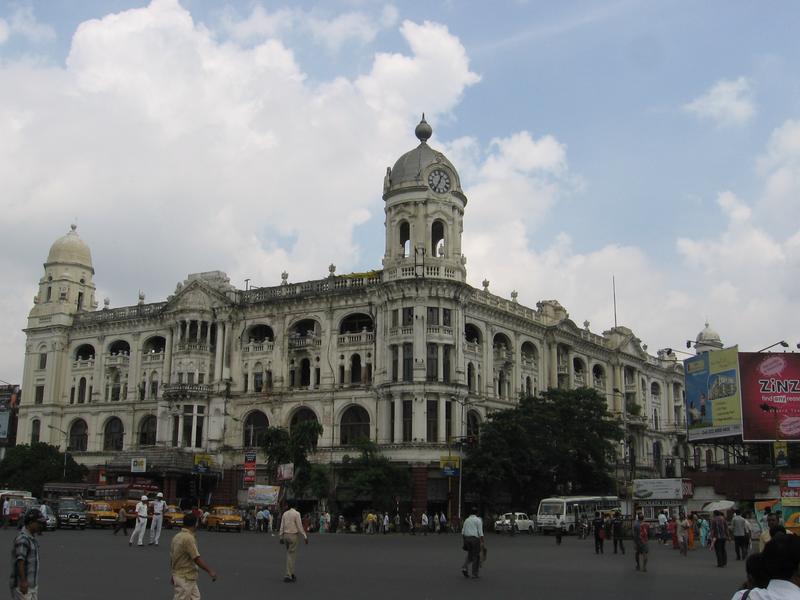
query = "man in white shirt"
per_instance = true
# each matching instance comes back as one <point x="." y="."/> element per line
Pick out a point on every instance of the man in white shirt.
<point x="740" y="528"/>
<point x="6" y="512"/>
<point x="662" y="527"/>
<point x="782" y="561"/>
<point x="290" y="532"/>
<point x="425" y="523"/>
<point x="472" y="533"/>
<point x="159" y="507"/>
<point x="141" y="522"/>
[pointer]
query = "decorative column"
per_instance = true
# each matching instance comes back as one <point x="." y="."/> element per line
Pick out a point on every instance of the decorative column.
<point x="133" y="369"/>
<point x="442" y="420"/>
<point x="218" y="354"/>
<point x="166" y="372"/>
<point x="398" y="420"/>
<point x="99" y="384"/>
<point x="553" y="379"/>
<point x="225" y="352"/>
<point x="439" y="362"/>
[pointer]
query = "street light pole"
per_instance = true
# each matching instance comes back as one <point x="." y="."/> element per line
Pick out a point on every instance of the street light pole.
<point x="66" y="435"/>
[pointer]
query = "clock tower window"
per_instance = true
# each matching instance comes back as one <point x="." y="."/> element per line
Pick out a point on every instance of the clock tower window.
<point x="437" y="239"/>
<point x="404" y="231"/>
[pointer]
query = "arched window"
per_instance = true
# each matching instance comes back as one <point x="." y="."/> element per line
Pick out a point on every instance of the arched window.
<point x="78" y="436"/>
<point x="709" y="457"/>
<point x="36" y="430"/>
<point x="115" y="385"/>
<point x="258" y="377"/>
<point x="302" y="415"/>
<point x="119" y="347"/>
<point x="112" y="434"/>
<point x="354" y="425"/>
<point x="599" y="376"/>
<point x="472" y="334"/>
<point x="260" y="334"/>
<point x="154" y="345"/>
<point x="147" y="431"/>
<point x="356" y="323"/>
<point x="437" y="239"/>
<point x="255" y="429"/>
<point x="404" y="233"/>
<point x="82" y="390"/>
<point x="355" y="369"/>
<point x="84" y="352"/>
<point x="473" y="423"/>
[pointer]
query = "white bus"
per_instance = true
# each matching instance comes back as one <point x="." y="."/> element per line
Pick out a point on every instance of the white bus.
<point x="571" y="509"/>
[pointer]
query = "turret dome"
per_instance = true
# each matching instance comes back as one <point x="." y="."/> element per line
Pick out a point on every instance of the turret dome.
<point x="410" y="167"/>
<point x="708" y="335"/>
<point x="70" y="249"/>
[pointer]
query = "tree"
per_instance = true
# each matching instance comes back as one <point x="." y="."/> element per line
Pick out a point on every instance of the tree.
<point x="284" y="446"/>
<point x="30" y="467"/>
<point x="372" y="476"/>
<point x="561" y="441"/>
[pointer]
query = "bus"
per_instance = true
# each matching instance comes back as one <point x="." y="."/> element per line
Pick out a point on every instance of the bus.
<point x="572" y="509"/>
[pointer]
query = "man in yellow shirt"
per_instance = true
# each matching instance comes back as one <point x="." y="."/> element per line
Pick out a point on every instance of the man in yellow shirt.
<point x="184" y="559"/>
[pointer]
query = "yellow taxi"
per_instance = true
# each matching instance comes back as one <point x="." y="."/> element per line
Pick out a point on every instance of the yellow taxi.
<point x="173" y="516"/>
<point x="100" y="514"/>
<point x="224" y="518"/>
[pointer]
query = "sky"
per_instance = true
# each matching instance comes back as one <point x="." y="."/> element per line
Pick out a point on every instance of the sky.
<point x="654" y="142"/>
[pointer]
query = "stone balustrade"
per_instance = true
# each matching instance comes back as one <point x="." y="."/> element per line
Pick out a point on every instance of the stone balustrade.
<point x="356" y="339"/>
<point x="265" y="347"/>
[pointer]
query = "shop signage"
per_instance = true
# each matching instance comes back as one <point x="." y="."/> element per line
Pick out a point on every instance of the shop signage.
<point x="450" y="465"/>
<point x="249" y="467"/>
<point x="139" y="465"/>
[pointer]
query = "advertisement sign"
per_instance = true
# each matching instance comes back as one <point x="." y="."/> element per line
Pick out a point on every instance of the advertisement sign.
<point x="713" y="405"/>
<point x="138" y="465"/>
<point x="202" y="463"/>
<point x="8" y="402"/>
<point x="450" y="465"/>
<point x="662" y="489"/>
<point x="286" y="472"/>
<point x="770" y="396"/>
<point x="249" y="467"/>
<point x="266" y="495"/>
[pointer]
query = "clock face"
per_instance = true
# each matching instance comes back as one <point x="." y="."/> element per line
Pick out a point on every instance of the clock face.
<point x="439" y="181"/>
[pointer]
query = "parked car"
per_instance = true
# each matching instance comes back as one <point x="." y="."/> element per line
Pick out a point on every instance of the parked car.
<point x="100" y="514"/>
<point x="17" y="506"/>
<point x="71" y="512"/>
<point x="224" y="518"/>
<point x="51" y="519"/>
<point x="521" y="520"/>
<point x="173" y="516"/>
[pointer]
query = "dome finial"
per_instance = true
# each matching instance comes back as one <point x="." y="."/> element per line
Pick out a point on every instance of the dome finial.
<point x="423" y="131"/>
<point x="73" y="226"/>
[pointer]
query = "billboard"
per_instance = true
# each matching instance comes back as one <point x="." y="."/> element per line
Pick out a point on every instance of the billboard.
<point x="8" y="402"/>
<point x="202" y="463"/>
<point x="450" y="465"/>
<point x="249" y="467"/>
<point x="713" y="405"/>
<point x="662" y="489"/>
<point x="770" y="396"/>
<point x="139" y="465"/>
<point x="265" y="495"/>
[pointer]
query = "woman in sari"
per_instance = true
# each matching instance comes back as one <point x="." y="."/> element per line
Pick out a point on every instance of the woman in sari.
<point x="704" y="527"/>
<point x="691" y="531"/>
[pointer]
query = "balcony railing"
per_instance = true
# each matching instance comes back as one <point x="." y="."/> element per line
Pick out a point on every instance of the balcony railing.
<point x="580" y="379"/>
<point x="187" y="389"/>
<point x="85" y="363"/>
<point x="529" y="363"/>
<point x="404" y="330"/>
<point x="440" y="330"/>
<point x="117" y="360"/>
<point x="600" y="383"/>
<point x="563" y="368"/>
<point x="193" y="347"/>
<point x="153" y="358"/>
<point x="472" y="347"/>
<point x="266" y="346"/>
<point x="305" y="341"/>
<point x="356" y="339"/>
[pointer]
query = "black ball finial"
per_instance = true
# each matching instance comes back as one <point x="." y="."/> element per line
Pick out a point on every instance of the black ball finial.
<point x="423" y="131"/>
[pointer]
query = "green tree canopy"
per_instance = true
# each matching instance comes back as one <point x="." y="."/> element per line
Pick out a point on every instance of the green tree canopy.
<point x="371" y="476"/>
<point x="285" y="446"/>
<point x="30" y="467"/>
<point x="563" y="441"/>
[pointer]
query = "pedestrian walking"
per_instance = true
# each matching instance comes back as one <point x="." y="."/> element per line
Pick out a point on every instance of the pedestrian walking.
<point x="184" y="559"/>
<point x="559" y="529"/>
<point x="442" y="523"/>
<point x="410" y="523"/>
<point x="340" y="527"/>
<point x="122" y="521"/>
<point x="6" y="511"/>
<point x="740" y="529"/>
<point x="385" y="523"/>
<point x="719" y="537"/>
<point x="617" y="532"/>
<point x="159" y="508"/>
<point x="424" y="524"/>
<point x="662" y="526"/>
<point x="141" y="522"/>
<point x="25" y="557"/>
<point x="684" y="527"/>
<point x="259" y="520"/>
<point x="641" y="536"/>
<point x="672" y="528"/>
<point x="472" y="536"/>
<point x="289" y="535"/>
<point x="599" y="533"/>
<point x="704" y="528"/>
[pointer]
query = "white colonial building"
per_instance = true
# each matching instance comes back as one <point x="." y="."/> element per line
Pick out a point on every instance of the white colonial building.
<point x="408" y="355"/>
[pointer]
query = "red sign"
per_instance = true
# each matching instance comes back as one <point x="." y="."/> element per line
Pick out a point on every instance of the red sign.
<point x="770" y="396"/>
<point x="249" y="467"/>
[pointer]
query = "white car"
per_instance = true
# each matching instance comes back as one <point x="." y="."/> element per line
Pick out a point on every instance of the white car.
<point x="521" y="520"/>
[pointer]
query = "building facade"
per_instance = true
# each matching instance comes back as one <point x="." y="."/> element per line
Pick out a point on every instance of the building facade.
<point x="408" y="355"/>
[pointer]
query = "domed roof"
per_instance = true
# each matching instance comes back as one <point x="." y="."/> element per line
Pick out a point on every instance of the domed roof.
<point x="409" y="167"/>
<point x="708" y="335"/>
<point x="70" y="249"/>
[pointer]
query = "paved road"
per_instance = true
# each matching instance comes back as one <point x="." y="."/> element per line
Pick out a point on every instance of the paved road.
<point x="95" y="565"/>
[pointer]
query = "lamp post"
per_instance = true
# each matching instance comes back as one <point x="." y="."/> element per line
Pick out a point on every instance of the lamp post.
<point x="783" y="343"/>
<point x="66" y="445"/>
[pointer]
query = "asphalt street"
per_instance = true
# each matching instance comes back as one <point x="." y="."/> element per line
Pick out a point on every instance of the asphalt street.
<point x="95" y="565"/>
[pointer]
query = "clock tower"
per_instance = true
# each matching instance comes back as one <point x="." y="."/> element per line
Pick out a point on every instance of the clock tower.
<point x="424" y="207"/>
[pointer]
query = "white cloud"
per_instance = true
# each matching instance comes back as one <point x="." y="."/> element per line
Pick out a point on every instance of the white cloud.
<point x="23" y="23"/>
<point x="728" y="102"/>
<point x="259" y="24"/>
<point x="5" y="31"/>
<point x="181" y="153"/>
<point x="334" y="33"/>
